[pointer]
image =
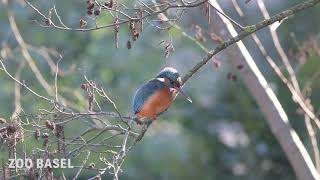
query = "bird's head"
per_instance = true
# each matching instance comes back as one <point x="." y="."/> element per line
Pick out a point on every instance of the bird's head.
<point x="171" y="78"/>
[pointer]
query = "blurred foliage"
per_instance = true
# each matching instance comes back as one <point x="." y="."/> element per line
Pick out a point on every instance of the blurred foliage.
<point x="222" y="135"/>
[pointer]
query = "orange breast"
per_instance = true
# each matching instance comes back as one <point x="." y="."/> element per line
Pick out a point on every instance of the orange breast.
<point x="157" y="103"/>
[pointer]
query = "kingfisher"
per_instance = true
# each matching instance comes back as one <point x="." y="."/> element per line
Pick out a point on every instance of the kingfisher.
<point x="155" y="96"/>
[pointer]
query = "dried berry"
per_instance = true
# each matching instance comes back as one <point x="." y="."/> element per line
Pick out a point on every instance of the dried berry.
<point x="110" y="4"/>
<point x="84" y="86"/>
<point x="50" y="125"/>
<point x="37" y="134"/>
<point x="90" y="12"/>
<point x="129" y="44"/>
<point x="135" y="35"/>
<point x="97" y="12"/>
<point x="131" y="25"/>
<point x="45" y="135"/>
<point x="90" y="6"/>
<point x="240" y="66"/>
<point x="83" y="23"/>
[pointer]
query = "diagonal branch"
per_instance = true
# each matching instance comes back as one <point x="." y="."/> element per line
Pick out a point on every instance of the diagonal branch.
<point x="249" y="30"/>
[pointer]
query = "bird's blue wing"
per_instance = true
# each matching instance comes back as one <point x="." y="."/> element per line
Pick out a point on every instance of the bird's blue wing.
<point x="144" y="92"/>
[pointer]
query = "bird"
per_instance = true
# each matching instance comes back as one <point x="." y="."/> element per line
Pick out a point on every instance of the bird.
<point x="155" y="96"/>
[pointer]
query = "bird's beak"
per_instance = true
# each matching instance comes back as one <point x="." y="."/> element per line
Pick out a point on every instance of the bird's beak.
<point x="183" y="93"/>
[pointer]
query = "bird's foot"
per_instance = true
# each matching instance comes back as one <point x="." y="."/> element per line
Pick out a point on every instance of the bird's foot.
<point x="146" y="123"/>
<point x="138" y="121"/>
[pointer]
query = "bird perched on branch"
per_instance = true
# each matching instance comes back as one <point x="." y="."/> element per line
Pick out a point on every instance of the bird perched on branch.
<point x="156" y="96"/>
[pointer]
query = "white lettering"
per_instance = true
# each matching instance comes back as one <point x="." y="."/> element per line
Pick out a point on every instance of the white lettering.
<point x="47" y="164"/>
<point x="40" y="163"/>
<point x="69" y="164"/>
<point x="55" y="163"/>
<point x="19" y="163"/>
<point x="28" y="163"/>
<point x="11" y="164"/>
<point x="63" y="163"/>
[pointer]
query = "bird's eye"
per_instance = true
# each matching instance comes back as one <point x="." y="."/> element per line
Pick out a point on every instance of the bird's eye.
<point x="174" y="84"/>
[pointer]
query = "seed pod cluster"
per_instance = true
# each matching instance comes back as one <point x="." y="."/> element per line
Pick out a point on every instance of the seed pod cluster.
<point x="109" y="4"/>
<point x="90" y="7"/>
<point x="50" y="125"/>
<point x="134" y="29"/>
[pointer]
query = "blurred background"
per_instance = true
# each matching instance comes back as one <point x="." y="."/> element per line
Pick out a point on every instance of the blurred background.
<point x="221" y="135"/>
